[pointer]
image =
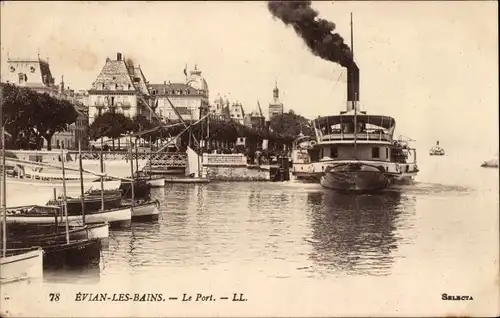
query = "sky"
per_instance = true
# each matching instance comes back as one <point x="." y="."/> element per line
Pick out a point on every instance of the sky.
<point x="433" y="66"/>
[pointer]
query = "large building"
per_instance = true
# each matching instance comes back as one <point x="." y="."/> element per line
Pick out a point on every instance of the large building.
<point x="219" y="105"/>
<point x="121" y="87"/>
<point x="276" y="106"/>
<point x="35" y="74"/>
<point x="32" y="73"/>
<point x="237" y="113"/>
<point x="190" y="99"/>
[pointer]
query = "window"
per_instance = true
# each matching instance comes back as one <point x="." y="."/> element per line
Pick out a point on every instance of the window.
<point x="57" y="143"/>
<point x="387" y="153"/>
<point x="22" y="78"/>
<point x="99" y="111"/>
<point x="334" y="152"/>
<point x="375" y="152"/>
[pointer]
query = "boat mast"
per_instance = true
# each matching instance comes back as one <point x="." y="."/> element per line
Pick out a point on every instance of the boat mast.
<point x="354" y="97"/>
<point x="4" y="189"/>
<point x="81" y="179"/>
<point x="101" y="163"/>
<point x="136" y="155"/>
<point x="64" y="195"/>
<point x="132" y="170"/>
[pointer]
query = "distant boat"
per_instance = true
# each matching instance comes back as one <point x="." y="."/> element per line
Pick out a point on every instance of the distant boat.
<point x="493" y="163"/>
<point x="436" y="150"/>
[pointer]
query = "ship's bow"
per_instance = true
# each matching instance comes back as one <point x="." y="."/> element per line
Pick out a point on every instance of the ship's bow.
<point x="354" y="177"/>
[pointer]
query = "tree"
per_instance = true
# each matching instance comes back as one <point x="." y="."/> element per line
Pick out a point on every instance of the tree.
<point x="290" y="125"/>
<point x="141" y="123"/>
<point x="51" y="115"/>
<point x="112" y="125"/>
<point x="28" y="113"/>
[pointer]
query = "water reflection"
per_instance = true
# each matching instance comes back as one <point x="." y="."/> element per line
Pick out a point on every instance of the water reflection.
<point x="83" y="275"/>
<point x="355" y="234"/>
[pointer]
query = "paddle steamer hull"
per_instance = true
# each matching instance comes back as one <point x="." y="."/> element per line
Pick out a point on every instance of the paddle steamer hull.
<point x="354" y="177"/>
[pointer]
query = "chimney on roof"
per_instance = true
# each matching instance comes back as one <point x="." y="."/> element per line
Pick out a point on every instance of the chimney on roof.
<point x="118" y="56"/>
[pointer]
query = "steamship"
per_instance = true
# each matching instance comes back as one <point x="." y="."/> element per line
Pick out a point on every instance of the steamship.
<point x="355" y="151"/>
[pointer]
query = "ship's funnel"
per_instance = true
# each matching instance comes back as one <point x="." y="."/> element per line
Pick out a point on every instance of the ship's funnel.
<point x="352" y="86"/>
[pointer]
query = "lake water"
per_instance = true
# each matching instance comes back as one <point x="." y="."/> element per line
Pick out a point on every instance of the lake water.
<point x="296" y="250"/>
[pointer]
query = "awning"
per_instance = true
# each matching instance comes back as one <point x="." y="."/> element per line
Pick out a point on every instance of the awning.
<point x="377" y="120"/>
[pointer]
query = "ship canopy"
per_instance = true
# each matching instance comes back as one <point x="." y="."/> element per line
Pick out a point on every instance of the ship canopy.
<point x="385" y="122"/>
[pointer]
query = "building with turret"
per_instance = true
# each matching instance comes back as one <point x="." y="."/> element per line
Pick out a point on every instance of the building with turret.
<point x="190" y="99"/>
<point x="120" y="86"/>
<point x="36" y="75"/>
<point x="31" y="73"/>
<point x="237" y="113"/>
<point x="276" y="106"/>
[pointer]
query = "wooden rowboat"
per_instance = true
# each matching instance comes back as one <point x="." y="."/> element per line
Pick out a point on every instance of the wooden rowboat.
<point x="21" y="264"/>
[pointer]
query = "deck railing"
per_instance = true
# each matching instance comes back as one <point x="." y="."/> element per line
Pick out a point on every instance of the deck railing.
<point x="372" y="136"/>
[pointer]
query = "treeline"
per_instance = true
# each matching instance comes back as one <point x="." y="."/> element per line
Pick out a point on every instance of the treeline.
<point x="31" y="117"/>
<point x="282" y="129"/>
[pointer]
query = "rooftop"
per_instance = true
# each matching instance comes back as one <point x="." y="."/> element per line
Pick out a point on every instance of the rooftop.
<point x="173" y="89"/>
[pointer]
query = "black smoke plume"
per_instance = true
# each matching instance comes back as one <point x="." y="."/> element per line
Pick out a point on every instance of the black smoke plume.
<point x="319" y="36"/>
<point x="317" y="33"/>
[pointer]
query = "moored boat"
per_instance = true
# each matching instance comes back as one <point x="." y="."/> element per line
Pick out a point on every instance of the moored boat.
<point x="21" y="264"/>
<point x="302" y="170"/>
<point x="142" y="189"/>
<point x="34" y="232"/>
<point x="36" y="214"/>
<point x="143" y="210"/>
<point x="74" y="253"/>
<point x="156" y="182"/>
<point x="186" y="180"/>
<point x="93" y="201"/>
